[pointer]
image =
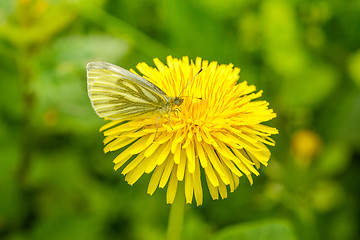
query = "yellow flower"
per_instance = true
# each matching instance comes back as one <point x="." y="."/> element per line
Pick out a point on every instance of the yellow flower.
<point x="219" y="136"/>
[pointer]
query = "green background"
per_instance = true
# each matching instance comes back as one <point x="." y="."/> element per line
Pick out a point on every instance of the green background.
<point x="55" y="181"/>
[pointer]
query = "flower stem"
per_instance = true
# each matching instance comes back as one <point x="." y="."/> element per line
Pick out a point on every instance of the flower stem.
<point x="176" y="217"/>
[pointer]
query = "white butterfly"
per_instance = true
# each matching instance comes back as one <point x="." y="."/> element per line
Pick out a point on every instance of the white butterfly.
<point x="119" y="94"/>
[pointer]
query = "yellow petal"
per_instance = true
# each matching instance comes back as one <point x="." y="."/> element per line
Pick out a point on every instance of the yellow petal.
<point x="182" y="165"/>
<point x="189" y="190"/>
<point x="172" y="187"/>
<point x="190" y="153"/>
<point x="197" y="184"/>
<point x="166" y="174"/>
<point x="155" y="179"/>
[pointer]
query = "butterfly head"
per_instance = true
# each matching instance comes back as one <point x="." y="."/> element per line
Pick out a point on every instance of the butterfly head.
<point x="178" y="101"/>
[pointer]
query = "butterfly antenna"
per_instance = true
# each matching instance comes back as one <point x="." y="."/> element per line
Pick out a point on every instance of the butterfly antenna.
<point x="190" y="82"/>
<point x="192" y="97"/>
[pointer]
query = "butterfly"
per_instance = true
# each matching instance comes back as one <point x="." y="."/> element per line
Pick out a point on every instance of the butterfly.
<point x="119" y="94"/>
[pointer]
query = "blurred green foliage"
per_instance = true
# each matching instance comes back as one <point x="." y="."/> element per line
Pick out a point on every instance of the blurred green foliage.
<point x="55" y="181"/>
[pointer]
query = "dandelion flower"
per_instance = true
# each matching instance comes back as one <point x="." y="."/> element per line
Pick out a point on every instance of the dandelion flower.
<point x="220" y="136"/>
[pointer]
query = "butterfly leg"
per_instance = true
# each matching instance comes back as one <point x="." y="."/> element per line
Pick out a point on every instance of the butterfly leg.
<point x="169" y="119"/>
<point x="157" y="127"/>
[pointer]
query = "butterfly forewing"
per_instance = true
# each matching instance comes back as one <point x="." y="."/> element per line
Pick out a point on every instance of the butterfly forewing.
<point x="117" y="93"/>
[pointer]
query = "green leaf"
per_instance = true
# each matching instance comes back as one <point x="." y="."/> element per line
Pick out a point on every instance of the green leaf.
<point x="262" y="230"/>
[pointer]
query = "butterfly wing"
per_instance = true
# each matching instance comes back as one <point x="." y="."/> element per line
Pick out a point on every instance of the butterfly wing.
<point x="119" y="94"/>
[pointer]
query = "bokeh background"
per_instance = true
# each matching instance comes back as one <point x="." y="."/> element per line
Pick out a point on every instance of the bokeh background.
<point x="55" y="181"/>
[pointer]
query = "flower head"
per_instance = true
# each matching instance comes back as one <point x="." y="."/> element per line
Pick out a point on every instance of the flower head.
<point x="216" y="131"/>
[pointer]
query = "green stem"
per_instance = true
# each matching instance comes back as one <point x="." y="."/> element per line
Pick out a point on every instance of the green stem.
<point x="176" y="217"/>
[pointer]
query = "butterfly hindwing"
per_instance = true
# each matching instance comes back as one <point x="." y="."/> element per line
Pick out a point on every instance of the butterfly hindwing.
<point x="117" y="93"/>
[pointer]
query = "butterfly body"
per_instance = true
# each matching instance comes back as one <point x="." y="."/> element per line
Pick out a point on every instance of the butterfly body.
<point x="119" y="94"/>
